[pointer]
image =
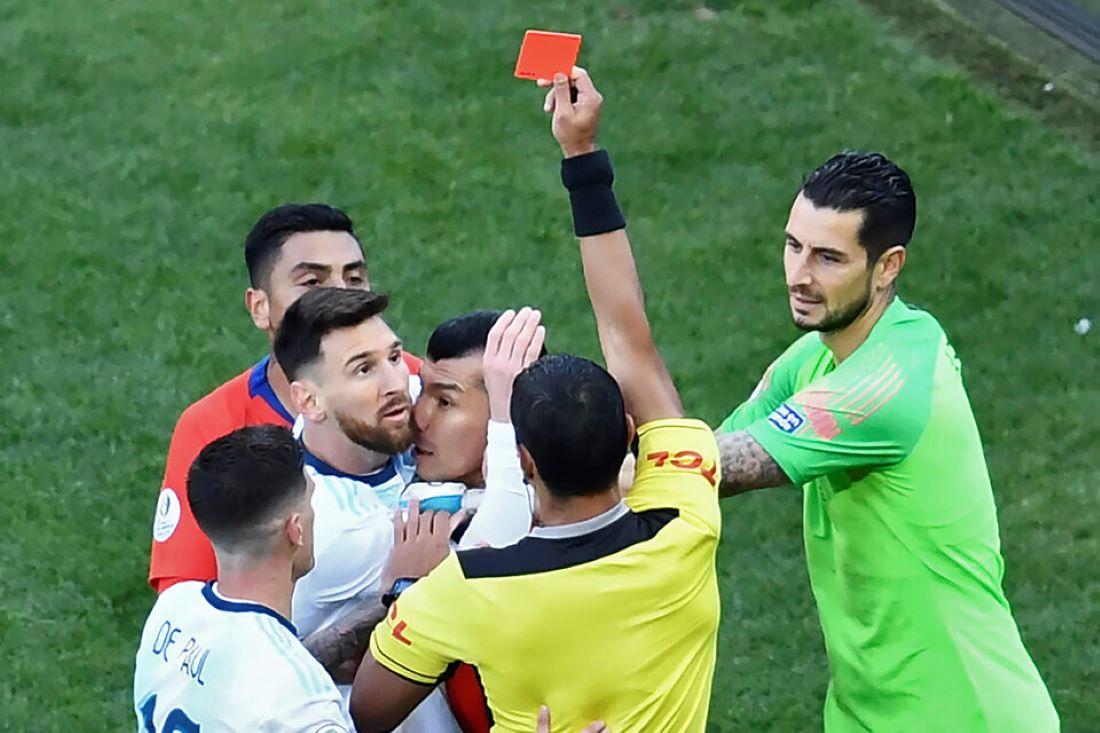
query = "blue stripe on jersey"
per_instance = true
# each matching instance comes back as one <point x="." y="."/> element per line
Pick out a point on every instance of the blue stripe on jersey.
<point x="290" y="649"/>
<point x="258" y="384"/>
<point x="224" y="604"/>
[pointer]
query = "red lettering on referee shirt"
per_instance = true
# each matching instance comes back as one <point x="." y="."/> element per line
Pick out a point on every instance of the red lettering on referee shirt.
<point x="658" y="457"/>
<point x="397" y="633"/>
<point x="688" y="460"/>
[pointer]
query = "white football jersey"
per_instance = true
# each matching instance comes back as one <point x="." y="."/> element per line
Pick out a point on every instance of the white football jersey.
<point x="352" y="538"/>
<point x="211" y="663"/>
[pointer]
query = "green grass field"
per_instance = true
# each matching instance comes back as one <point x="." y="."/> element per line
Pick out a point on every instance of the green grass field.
<point x="141" y="138"/>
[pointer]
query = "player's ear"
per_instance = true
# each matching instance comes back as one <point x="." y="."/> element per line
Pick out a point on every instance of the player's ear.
<point x="631" y="432"/>
<point x="293" y="530"/>
<point x="889" y="266"/>
<point x="306" y="403"/>
<point x="527" y="463"/>
<point x="258" y="305"/>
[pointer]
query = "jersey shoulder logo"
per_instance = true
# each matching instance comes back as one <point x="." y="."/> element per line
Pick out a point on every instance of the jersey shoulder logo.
<point x="167" y="516"/>
<point x="786" y="418"/>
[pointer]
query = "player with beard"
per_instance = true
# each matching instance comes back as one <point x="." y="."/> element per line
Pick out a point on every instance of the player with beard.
<point x="349" y="383"/>
<point x="869" y="414"/>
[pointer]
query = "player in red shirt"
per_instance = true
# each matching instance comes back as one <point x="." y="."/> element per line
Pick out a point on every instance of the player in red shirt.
<point x="291" y="249"/>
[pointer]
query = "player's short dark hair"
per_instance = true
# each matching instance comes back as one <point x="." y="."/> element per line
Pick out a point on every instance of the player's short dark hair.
<point x="240" y="482"/>
<point x="874" y="184"/>
<point x="463" y="335"/>
<point x="316" y="314"/>
<point x="270" y="232"/>
<point x="568" y="413"/>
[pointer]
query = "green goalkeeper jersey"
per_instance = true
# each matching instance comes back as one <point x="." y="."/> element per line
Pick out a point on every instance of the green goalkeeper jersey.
<point x="901" y="533"/>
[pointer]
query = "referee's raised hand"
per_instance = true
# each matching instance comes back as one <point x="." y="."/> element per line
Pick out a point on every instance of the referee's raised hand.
<point x="544" y="723"/>
<point x="575" y="120"/>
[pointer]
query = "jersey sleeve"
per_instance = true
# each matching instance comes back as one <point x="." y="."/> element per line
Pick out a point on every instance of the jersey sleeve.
<point x="504" y="516"/>
<point x="417" y="639"/>
<point x="678" y="467"/>
<point x="180" y="550"/>
<point x="775" y="386"/>
<point x="869" y="412"/>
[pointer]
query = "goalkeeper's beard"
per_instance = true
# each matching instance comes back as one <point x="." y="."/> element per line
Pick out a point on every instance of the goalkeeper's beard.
<point x="375" y="437"/>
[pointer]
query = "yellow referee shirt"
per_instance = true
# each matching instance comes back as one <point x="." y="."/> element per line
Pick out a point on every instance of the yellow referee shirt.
<point x="614" y="618"/>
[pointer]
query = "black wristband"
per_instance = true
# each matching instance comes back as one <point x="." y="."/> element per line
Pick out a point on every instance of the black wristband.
<point x="588" y="179"/>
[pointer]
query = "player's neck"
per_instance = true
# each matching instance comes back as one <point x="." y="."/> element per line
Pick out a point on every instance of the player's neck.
<point x="328" y="442"/>
<point x="554" y="512"/>
<point x="844" y="342"/>
<point x="276" y="377"/>
<point x="268" y="583"/>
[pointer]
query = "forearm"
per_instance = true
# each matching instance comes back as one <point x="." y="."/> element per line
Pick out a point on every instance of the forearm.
<point x="611" y="277"/>
<point x="340" y="646"/>
<point x="746" y="465"/>
<point x="615" y="291"/>
<point x="504" y="516"/>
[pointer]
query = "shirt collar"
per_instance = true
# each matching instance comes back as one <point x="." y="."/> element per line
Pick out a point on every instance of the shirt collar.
<point x="379" y="477"/>
<point x="587" y="526"/>
<point x="220" y="602"/>
<point x="260" y="386"/>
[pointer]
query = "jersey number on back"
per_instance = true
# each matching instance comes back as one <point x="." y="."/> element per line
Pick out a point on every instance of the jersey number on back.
<point x="176" y="722"/>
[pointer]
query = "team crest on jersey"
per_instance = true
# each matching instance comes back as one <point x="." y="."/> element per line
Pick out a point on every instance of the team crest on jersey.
<point x="786" y="418"/>
<point x="167" y="516"/>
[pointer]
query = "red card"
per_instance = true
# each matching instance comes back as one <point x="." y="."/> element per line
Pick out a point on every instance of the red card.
<point x="545" y="53"/>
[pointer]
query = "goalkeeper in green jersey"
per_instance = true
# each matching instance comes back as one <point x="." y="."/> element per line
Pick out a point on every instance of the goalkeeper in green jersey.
<point x="868" y="413"/>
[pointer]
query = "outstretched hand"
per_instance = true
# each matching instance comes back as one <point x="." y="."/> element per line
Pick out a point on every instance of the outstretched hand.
<point x="514" y="343"/>
<point x="420" y="543"/>
<point x="574" y="121"/>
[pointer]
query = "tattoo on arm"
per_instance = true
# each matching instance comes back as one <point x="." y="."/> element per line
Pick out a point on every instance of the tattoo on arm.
<point x="746" y="465"/>
<point x="340" y="646"/>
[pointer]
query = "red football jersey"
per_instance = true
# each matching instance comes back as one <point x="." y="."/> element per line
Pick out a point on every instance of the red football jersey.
<point x="180" y="549"/>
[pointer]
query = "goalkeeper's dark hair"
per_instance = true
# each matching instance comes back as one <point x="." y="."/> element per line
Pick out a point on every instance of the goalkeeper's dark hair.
<point x="314" y="315"/>
<point x="241" y="483"/>
<point x="270" y="232"/>
<point x="568" y="413"/>
<point x="873" y="184"/>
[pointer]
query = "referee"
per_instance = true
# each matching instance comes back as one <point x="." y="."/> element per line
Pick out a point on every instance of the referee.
<point x="608" y="610"/>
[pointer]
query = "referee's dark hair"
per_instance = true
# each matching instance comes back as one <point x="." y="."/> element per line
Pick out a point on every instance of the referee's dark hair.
<point x="239" y="484"/>
<point x="873" y="183"/>
<point x="314" y="315"/>
<point x="568" y="413"/>
<point x="270" y="232"/>
<point x="463" y="335"/>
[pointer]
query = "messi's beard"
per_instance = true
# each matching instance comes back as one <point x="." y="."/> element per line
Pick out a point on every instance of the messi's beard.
<point x="375" y="437"/>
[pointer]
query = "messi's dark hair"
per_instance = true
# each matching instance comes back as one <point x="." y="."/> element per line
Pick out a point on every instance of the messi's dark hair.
<point x="314" y="315"/>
